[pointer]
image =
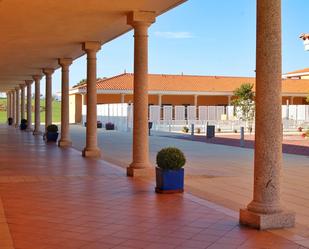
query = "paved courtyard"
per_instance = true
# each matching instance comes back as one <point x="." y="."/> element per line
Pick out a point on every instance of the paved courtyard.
<point x="222" y="174"/>
<point x="52" y="198"/>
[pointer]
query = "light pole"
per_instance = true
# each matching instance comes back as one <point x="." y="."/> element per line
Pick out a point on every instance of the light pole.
<point x="305" y="38"/>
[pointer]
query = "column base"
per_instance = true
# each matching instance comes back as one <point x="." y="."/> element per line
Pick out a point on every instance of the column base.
<point x="36" y="133"/>
<point x="64" y="143"/>
<point x="140" y="169"/>
<point x="93" y="153"/>
<point x="284" y="219"/>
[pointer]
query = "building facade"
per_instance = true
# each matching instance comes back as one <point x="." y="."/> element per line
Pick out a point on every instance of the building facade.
<point x="186" y="90"/>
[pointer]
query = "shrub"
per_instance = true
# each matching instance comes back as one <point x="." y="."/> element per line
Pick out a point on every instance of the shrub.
<point x="109" y="126"/>
<point x="300" y="129"/>
<point x="219" y="130"/>
<point x="170" y="158"/>
<point x="185" y="129"/>
<point x="306" y="134"/>
<point x="52" y="128"/>
<point x="198" y="130"/>
<point x="23" y="121"/>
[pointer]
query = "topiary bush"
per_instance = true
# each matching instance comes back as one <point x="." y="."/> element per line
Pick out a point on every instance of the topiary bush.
<point x="52" y="128"/>
<point x="170" y="158"/>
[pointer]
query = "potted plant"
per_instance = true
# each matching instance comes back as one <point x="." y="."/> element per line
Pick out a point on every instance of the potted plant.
<point x="198" y="130"/>
<point x="185" y="129"/>
<point x="109" y="126"/>
<point x="169" y="170"/>
<point x="300" y="129"/>
<point x="305" y="134"/>
<point x="52" y="133"/>
<point x="10" y="120"/>
<point x="23" y="124"/>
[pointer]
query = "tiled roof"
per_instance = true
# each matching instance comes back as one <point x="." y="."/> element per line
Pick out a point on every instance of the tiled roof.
<point x="301" y="71"/>
<point x="188" y="83"/>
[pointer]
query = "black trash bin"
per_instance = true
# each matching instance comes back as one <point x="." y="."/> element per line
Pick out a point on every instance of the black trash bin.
<point x="210" y="131"/>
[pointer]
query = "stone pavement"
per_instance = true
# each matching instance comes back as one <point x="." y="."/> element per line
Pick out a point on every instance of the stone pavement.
<point x="53" y="198"/>
<point x="221" y="174"/>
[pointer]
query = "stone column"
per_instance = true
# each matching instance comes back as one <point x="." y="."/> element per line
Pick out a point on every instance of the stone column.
<point x="65" y="140"/>
<point x="292" y="100"/>
<point x="22" y="101"/>
<point x="14" y="107"/>
<point x="8" y="105"/>
<point x="37" y="95"/>
<point x="48" y="96"/>
<point x="122" y="96"/>
<point x="91" y="149"/>
<point x="140" y="165"/>
<point x="229" y="98"/>
<point x="29" y="105"/>
<point x="160" y="100"/>
<point x="195" y="100"/>
<point x="265" y="210"/>
<point x="17" y="110"/>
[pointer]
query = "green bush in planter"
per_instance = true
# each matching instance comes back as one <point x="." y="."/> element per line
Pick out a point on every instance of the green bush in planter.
<point x="170" y="158"/>
<point x="52" y="128"/>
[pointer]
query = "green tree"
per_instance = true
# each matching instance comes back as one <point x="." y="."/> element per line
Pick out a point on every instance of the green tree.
<point x="244" y="107"/>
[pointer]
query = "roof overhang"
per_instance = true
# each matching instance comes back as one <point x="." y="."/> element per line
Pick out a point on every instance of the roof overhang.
<point x="34" y="33"/>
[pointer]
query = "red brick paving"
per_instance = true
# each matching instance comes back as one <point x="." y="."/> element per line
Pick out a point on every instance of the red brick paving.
<point x="54" y="199"/>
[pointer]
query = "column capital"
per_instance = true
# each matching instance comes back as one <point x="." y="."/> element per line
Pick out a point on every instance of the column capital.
<point x="22" y="86"/>
<point x="48" y="71"/>
<point x="92" y="46"/>
<point x="17" y="88"/>
<point x="141" y="17"/>
<point x="65" y="62"/>
<point x="37" y="77"/>
<point x="28" y="82"/>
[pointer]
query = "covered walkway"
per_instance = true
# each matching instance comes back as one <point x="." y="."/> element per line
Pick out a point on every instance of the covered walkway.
<point x="53" y="198"/>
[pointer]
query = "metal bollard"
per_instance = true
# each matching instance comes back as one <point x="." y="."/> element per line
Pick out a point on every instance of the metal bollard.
<point x="192" y="129"/>
<point x="242" y="136"/>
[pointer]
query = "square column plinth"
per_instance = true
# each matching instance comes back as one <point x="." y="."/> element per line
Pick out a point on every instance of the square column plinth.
<point x="136" y="172"/>
<point x="94" y="153"/>
<point x="284" y="219"/>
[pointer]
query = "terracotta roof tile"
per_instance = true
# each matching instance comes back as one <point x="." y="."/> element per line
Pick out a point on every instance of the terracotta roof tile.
<point x="301" y="71"/>
<point x="188" y="83"/>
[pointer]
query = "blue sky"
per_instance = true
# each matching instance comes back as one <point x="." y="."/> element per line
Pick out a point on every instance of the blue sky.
<point x="202" y="37"/>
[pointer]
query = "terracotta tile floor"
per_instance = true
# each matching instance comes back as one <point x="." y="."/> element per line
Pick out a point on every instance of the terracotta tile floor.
<point x="55" y="199"/>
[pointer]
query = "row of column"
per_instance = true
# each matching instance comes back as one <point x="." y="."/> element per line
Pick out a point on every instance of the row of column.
<point x="265" y="210"/>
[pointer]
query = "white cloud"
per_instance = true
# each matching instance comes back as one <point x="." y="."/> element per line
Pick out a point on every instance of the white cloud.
<point x="174" y="35"/>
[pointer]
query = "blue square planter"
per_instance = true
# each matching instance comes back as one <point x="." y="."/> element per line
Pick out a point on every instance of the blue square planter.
<point x="51" y="136"/>
<point x="169" y="181"/>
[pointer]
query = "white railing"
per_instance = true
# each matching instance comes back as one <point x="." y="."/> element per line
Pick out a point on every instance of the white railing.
<point x="174" y="118"/>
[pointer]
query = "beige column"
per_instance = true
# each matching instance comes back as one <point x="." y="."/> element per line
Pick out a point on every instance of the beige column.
<point x="29" y="105"/>
<point x="17" y="110"/>
<point x="292" y="100"/>
<point x="265" y="210"/>
<point x="195" y="99"/>
<point x="48" y="96"/>
<point x="14" y="107"/>
<point x="8" y="105"/>
<point x="229" y="98"/>
<point x="37" y="95"/>
<point x="140" y="165"/>
<point x="160" y="100"/>
<point x="65" y="140"/>
<point x="122" y="98"/>
<point x="22" y="101"/>
<point x="91" y="149"/>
